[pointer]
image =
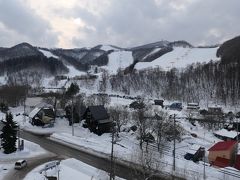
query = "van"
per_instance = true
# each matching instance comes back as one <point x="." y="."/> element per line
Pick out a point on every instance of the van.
<point x="20" y="164"/>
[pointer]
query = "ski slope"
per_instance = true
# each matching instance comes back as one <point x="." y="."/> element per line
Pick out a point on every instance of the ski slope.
<point x="48" y="54"/>
<point x="118" y="59"/>
<point x="180" y="57"/>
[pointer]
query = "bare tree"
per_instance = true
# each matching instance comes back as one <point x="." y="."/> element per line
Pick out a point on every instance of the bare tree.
<point x="119" y="115"/>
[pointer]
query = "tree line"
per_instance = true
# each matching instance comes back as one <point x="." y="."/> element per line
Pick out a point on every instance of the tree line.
<point x="215" y="82"/>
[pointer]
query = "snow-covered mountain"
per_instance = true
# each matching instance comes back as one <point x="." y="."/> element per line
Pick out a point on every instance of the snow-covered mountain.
<point x="163" y="54"/>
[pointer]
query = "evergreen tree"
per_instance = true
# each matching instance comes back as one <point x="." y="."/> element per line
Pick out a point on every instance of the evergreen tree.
<point x="72" y="90"/>
<point x="9" y="134"/>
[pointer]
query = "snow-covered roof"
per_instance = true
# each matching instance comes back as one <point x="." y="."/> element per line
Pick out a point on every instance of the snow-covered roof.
<point x="34" y="112"/>
<point x="33" y="101"/>
<point x="193" y="149"/>
<point x="226" y="133"/>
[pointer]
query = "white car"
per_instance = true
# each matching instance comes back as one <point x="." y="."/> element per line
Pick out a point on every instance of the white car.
<point x="20" y="164"/>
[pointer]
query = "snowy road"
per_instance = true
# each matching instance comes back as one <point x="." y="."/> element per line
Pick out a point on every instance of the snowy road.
<point x="32" y="163"/>
<point x="102" y="163"/>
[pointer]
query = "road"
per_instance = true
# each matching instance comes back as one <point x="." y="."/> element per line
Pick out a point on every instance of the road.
<point x="32" y="163"/>
<point x="121" y="170"/>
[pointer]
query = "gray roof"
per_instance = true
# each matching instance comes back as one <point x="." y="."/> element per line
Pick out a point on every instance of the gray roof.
<point x="98" y="112"/>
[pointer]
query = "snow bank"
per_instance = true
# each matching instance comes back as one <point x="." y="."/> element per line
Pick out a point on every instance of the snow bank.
<point x="69" y="169"/>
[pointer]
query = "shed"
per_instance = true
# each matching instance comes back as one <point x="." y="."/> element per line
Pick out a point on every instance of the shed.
<point x="197" y="152"/>
<point x="97" y="119"/>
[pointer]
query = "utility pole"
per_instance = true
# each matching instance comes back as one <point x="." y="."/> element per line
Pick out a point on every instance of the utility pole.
<point x="174" y="142"/>
<point x="112" y="174"/>
<point x="72" y="119"/>
<point x="204" y="166"/>
<point x="19" y="137"/>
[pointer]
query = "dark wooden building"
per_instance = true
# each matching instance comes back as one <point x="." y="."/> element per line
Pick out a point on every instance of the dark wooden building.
<point x="97" y="119"/>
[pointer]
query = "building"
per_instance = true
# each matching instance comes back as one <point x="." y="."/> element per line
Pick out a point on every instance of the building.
<point x="41" y="116"/>
<point x="159" y="102"/>
<point x="215" y="110"/>
<point x="193" y="106"/>
<point x="195" y="153"/>
<point x="222" y="153"/>
<point x="97" y="119"/>
<point x="225" y="134"/>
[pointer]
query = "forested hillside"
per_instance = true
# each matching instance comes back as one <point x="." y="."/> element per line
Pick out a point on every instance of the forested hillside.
<point x="217" y="82"/>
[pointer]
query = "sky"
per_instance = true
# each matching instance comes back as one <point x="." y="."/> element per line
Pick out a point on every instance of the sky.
<point x="124" y="23"/>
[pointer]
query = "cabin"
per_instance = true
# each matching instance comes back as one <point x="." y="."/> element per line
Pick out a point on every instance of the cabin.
<point x="222" y="154"/>
<point x="41" y="116"/>
<point x="97" y="119"/>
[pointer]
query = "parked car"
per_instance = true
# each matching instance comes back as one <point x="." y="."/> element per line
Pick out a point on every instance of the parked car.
<point x="20" y="164"/>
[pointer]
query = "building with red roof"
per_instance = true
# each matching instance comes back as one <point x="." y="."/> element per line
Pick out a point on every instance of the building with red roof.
<point x="222" y="154"/>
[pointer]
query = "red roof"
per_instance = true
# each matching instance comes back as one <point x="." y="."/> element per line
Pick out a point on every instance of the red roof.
<point x="237" y="163"/>
<point x="223" y="145"/>
<point x="221" y="162"/>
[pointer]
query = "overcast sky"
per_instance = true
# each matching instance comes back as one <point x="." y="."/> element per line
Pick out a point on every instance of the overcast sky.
<point x="126" y="23"/>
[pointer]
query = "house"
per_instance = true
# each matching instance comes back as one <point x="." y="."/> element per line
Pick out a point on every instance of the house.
<point x="97" y="119"/>
<point x="41" y="116"/>
<point x="222" y="153"/>
<point x="225" y="134"/>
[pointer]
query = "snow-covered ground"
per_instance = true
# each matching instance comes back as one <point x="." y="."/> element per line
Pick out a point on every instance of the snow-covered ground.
<point x="180" y="58"/>
<point x="48" y="54"/>
<point x="118" y="59"/>
<point x="69" y="169"/>
<point x="7" y="161"/>
<point x="127" y="146"/>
